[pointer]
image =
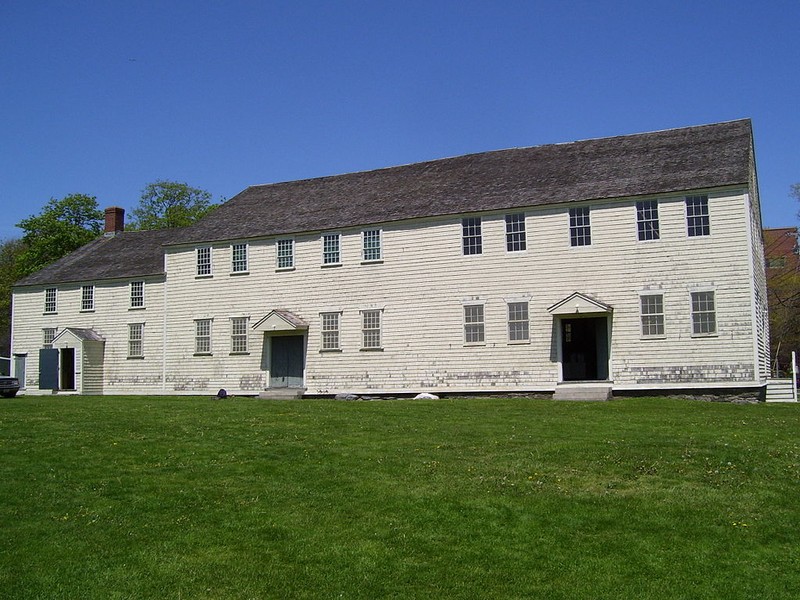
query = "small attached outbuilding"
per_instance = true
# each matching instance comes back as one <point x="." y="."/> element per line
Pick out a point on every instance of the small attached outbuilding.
<point x="74" y="363"/>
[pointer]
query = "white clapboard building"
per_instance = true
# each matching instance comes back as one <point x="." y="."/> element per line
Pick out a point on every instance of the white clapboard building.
<point x="624" y="264"/>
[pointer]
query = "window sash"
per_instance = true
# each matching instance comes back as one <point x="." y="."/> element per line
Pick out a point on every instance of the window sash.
<point x="239" y="334"/>
<point x="697" y="217"/>
<point x="652" y="314"/>
<point x="331" y="251"/>
<point x="330" y="331"/>
<point x="50" y="297"/>
<point x="647" y="220"/>
<point x="371" y="328"/>
<point x="48" y="335"/>
<point x="518" y="323"/>
<point x="202" y="337"/>
<point x="87" y="297"/>
<point x="204" y="261"/>
<point x="285" y="254"/>
<point x="137" y="294"/>
<point x="580" y="233"/>
<point x="515" y="233"/>
<point x="472" y="240"/>
<point x="704" y="316"/>
<point x="371" y="241"/>
<point x="239" y="258"/>
<point x="135" y="340"/>
<point x="473" y="324"/>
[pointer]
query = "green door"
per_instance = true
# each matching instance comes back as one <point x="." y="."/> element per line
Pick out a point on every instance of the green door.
<point x="287" y="360"/>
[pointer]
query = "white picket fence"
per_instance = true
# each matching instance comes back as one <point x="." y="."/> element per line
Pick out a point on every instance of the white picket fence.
<point x="783" y="390"/>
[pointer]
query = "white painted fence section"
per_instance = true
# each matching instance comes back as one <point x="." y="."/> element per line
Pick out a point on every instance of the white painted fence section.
<point x="783" y="390"/>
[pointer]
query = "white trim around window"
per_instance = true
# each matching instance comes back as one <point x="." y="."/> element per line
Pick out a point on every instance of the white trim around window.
<point x="331" y="249"/>
<point x="137" y="295"/>
<point x="474" y="316"/>
<point x="284" y="254"/>
<point x="87" y="298"/>
<point x="330" y="324"/>
<point x="371" y="329"/>
<point x="703" y="306"/>
<point x="202" y="337"/>
<point x="371" y="246"/>
<point x="651" y="314"/>
<point x="135" y="340"/>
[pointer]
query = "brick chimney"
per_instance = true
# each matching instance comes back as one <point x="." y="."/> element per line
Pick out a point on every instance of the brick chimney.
<point x="115" y="220"/>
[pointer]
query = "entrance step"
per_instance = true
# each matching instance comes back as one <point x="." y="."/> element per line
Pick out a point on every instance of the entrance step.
<point x="282" y="393"/>
<point x="584" y="391"/>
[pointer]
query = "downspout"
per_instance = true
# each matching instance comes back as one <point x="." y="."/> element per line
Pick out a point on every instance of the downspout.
<point x="164" y="334"/>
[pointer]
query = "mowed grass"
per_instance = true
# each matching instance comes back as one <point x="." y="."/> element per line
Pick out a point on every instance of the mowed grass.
<point x="461" y="498"/>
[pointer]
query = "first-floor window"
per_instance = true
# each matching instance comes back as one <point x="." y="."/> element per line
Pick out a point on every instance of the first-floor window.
<point x="135" y="340"/>
<point x="137" y="294"/>
<point x="87" y="297"/>
<point x="50" y="300"/>
<point x="239" y="334"/>
<point x="518" y="322"/>
<point x="48" y="335"/>
<point x="580" y="230"/>
<point x="285" y="254"/>
<point x="330" y="331"/>
<point x="704" y="316"/>
<point x="473" y="323"/>
<point x="202" y="336"/>
<point x="371" y="328"/>
<point x="652" y="314"/>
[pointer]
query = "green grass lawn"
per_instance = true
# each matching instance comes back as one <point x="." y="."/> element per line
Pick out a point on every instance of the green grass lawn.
<point x="465" y="498"/>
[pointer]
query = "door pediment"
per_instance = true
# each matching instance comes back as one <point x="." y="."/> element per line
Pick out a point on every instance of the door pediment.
<point x="577" y="303"/>
<point x="280" y="320"/>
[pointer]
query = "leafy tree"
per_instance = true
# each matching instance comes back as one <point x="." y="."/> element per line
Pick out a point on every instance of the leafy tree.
<point x="165" y="204"/>
<point x="9" y="253"/>
<point x="62" y="226"/>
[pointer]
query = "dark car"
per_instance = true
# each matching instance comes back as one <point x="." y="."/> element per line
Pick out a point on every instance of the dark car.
<point x="9" y="386"/>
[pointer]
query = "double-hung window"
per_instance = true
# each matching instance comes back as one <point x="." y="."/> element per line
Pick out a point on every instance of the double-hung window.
<point x="330" y="330"/>
<point x="518" y="324"/>
<point x="135" y="340"/>
<point x="515" y="232"/>
<point x="48" y="335"/>
<point x="87" y="297"/>
<point x="239" y="258"/>
<point x="285" y="254"/>
<point x="202" y="336"/>
<point x="471" y="238"/>
<point x="580" y="231"/>
<point x="137" y="294"/>
<point x="371" y="329"/>
<point x="331" y="249"/>
<point x="371" y="240"/>
<point x="239" y="335"/>
<point x="204" y="261"/>
<point x="704" y="314"/>
<point x="473" y="324"/>
<point x="697" y="219"/>
<point x="50" y="300"/>
<point x="652" y="314"/>
<point x="647" y="219"/>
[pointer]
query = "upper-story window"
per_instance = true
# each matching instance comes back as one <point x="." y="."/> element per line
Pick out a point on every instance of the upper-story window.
<point x="285" y="254"/>
<point x="704" y="314"/>
<point x="239" y="258"/>
<point x="471" y="238"/>
<point x="647" y="219"/>
<point x="137" y="294"/>
<point x="50" y="305"/>
<point x="87" y="297"/>
<point x="652" y="314"/>
<point x="580" y="231"/>
<point x="331" y="249"/>
<point x="204" y="261"/>
<point x="515" y="232"/>
<point x="697" y="220"/>
<point x="371" y="241"/>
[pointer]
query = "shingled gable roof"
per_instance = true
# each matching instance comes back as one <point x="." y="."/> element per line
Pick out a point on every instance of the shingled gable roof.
<point x="673" y="160"/>
<point x="127" y="254"/>
<point x="690" y="158"/>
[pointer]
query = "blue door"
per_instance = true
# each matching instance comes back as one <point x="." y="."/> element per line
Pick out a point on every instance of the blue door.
<point x="287" y="360"/>
<point x="48" y="369"/>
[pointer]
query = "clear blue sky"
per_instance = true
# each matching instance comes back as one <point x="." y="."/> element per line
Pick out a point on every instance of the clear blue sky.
<point x="102" y="98"/>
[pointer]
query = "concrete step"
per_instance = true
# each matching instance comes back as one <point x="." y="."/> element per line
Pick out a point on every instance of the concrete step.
<point x="282" y="393"/>
<point x="586" y="392"/>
